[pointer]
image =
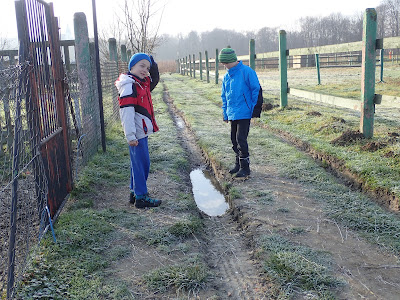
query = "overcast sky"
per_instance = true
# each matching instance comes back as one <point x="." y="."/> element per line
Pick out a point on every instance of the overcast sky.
<point x="183" y="16"/>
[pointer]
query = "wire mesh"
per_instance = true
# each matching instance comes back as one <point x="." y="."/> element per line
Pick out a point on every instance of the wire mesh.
<point x="109" y="74"/>
<point x="22" y="195"/>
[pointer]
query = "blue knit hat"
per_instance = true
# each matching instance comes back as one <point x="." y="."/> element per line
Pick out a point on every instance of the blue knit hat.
<point x="136" y="58"/>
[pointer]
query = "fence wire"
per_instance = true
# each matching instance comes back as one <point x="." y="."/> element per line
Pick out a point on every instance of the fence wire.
<point x="109" y="73"/>
<point x="22" y="195"/>
<point x="23" y="183"/>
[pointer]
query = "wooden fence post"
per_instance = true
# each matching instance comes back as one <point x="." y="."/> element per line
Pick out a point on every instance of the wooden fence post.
<point x="216" y="66"/>
<point x="317" y="66"/>
<point x="382" y="59"/>
<point x="190" y="65"/>
<point x="207" y="68"/>
<point x="283" y="68"/>
<point x="201" y="66"/>
<point x="186" y="66"/>
<point x="252" y="54"/>
<point x="194" y="66"/>
<point x="368" y="73"/>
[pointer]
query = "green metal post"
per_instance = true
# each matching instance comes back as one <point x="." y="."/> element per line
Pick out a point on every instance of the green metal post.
<point x="201" y="66"/>
<point x="368" y="73"/>
<point x="207" y="68"/>
<point x="216" y="66"/>
<point x="317" y="66"/>
<point x="382" y="59"/>
<point x="190" y="65"/>
<point x="252" y="54"/>
<point x="194" y="66"/>
<point x="129" y="54"/>
<point x="283" y="68"/>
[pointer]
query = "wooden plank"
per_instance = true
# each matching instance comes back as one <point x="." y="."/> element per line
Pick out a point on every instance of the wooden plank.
<point x="327" y="99"/>
<point x="390" y="101"/>
<point x="391" y="42"/>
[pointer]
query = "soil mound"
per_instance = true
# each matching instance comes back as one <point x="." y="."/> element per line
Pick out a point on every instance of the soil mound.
<point x="347" y="138"/>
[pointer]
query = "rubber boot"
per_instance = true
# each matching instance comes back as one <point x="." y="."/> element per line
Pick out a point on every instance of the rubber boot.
<point x="236" y="167"/>
<point x="244" y="167"/>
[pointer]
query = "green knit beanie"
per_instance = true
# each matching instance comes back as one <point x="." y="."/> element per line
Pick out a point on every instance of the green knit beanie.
<point x="227" y="55"/>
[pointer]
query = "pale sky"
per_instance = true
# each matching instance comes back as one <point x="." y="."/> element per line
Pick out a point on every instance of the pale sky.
<point x="183" y="16"/>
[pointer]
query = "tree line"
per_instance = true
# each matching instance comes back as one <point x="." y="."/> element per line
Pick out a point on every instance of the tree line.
<point x="311" y="32"/>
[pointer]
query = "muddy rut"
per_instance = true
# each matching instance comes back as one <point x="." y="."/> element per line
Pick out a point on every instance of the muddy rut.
<point x="367" y="271"/>
<point x="229" y="255"/>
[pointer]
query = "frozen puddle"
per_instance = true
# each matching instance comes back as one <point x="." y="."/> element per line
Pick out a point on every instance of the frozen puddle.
<point x="208" y="198"/>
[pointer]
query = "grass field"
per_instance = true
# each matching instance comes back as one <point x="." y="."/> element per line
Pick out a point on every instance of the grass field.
<point x="294" y="228"/>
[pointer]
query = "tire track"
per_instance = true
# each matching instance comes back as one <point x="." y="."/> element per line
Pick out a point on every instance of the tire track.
<point x="228" y="255"/>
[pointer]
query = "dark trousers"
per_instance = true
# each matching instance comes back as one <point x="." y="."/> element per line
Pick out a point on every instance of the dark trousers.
<point x="239" y="132"/>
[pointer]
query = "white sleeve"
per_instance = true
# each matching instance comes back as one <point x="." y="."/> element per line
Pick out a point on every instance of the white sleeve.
<point x="127" y="115"/>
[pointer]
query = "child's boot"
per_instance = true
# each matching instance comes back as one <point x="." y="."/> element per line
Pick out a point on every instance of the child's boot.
<point x="132" y="198"/>
<point x="244" y="167"/>
<point x="236" y="167"/>
<point x="143" y="201"/>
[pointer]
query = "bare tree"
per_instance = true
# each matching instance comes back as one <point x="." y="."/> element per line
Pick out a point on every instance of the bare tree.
<point x="115" y="30"/>
<point x="4" y="42"/>
<point x="141" y="25"/>
<point x="392" y="11"/>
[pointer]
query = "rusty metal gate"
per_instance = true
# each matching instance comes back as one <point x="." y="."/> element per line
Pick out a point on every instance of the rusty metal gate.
<point x="38" y="34"/>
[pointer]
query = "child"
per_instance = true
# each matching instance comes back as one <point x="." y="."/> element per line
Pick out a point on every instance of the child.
<point x="137" y="118"/>
<point x="240" y="88"/>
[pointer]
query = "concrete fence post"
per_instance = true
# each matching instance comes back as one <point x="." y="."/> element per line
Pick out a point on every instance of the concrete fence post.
<point x="283" y="68"/>
<point x="112" y="48"/>
<point x="124" y="57"/>
<point x="83" y="64"/>
<point x="368" y="73"/>
<point x="95" y="109"/>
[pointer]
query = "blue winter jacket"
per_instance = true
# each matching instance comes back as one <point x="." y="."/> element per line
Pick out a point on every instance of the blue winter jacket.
<point x="239" y="95"/>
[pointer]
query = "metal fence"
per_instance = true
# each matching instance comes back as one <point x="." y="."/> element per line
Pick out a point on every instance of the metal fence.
<point x="36" y="170"/>
<point x="49" y="129"/>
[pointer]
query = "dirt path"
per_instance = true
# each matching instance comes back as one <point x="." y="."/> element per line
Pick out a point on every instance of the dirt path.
<point x="236" y="273"/>
<point x="230" y="245"/>
<point x="368" y="272"/>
